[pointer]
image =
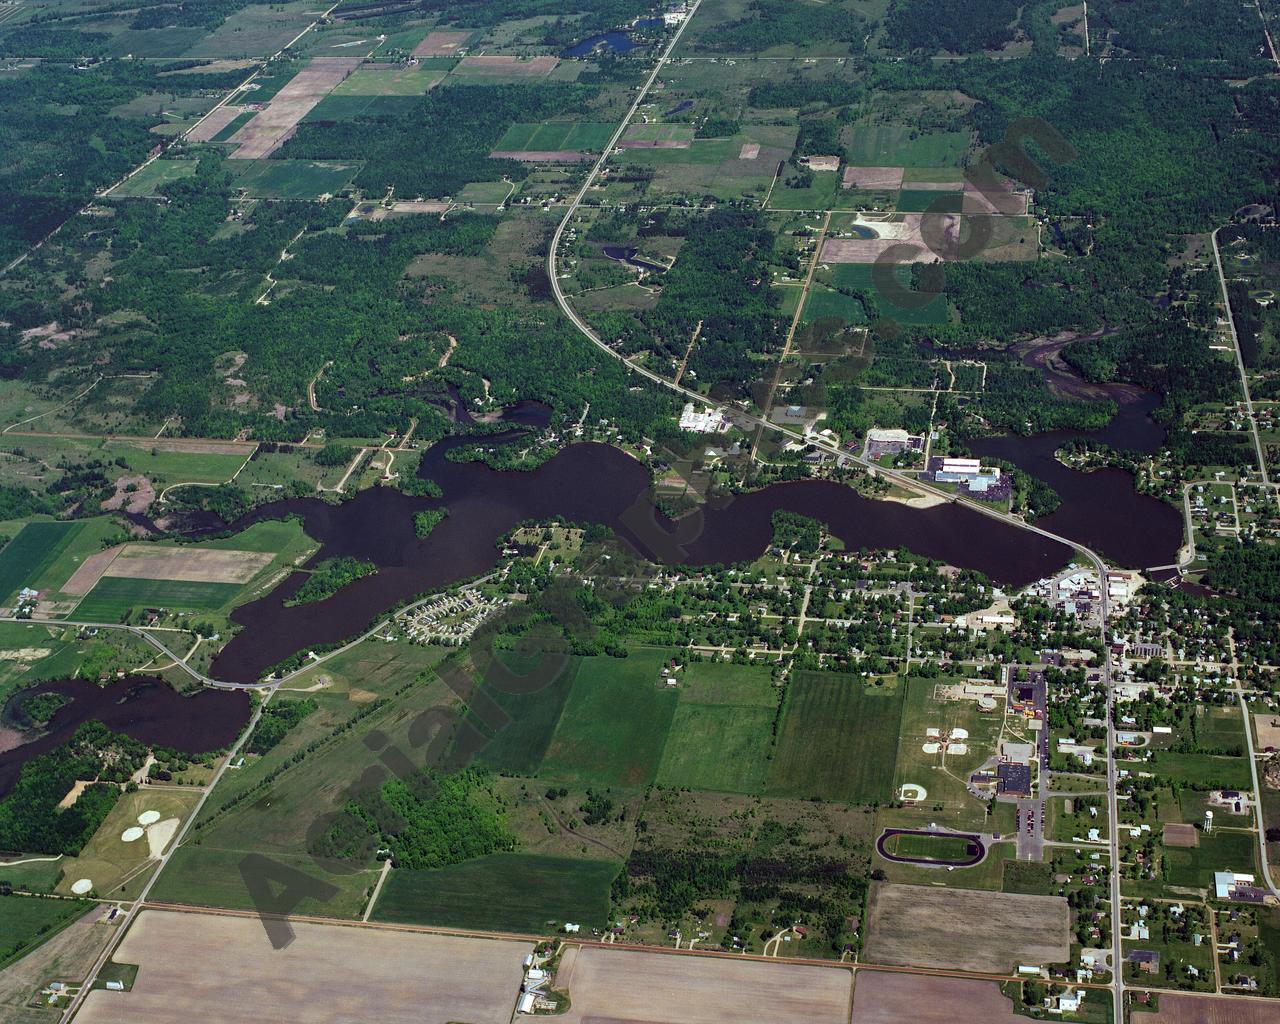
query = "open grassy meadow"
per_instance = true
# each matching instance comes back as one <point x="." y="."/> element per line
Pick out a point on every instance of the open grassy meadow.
<point x="295" y="179"/>
<point x="114" y="597"/>
<point x="519" y="746"/>
<point x="1220" y="851"/>
<point x="33" y="551"/>
<point x="27" y="921"/>
<point x="615" y="723"/>
<point x="149" y="180"/>
<point x="502" y="892"/>
<point x="837" y="739"/>
<point x="722" y="731"/>
<point x="557" y="135"/>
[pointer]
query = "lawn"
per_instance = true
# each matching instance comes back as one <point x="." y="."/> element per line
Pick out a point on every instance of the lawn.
<point x="837" y="739"/>
<point x="1218" y="851"/>
<point x="112" y="865"/>
<point x="615" y="724"/>
<point x="35" y="548"/>
<point x="27" y="921"/>
<point x="1202" y="771"/>
<point x="502" y="892"/>
<point x="115" y="596"/>
<point x="148" y="180"/>
<point x="295" y="179"/>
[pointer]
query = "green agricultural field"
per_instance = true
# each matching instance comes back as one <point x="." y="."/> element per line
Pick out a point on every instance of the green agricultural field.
<point x="27" y="921"/>
<point x="484" y="193"/>
<point x="147" y="181"/>
<point x="389" y="80"/>
<point x="503" y="892"/>
<point x="614" y="725"/>
<point x="858" y="275"/>
<point x="257" y="30"/>
<point x="1220" y="851"/>
<point x="837" y="739"/>
<point x="894" y="145"/>
<point x="518" y="747"/>
<point x="723" y="729"/>
<point x="32" y="552"/>
<point x="932" y="200"/>
<point x="587" y="136"/>
<point x="242" y="119"/>
<point x="113" y="597"/>
<point x="823" y="303"/>
<point x="295" y="179"/>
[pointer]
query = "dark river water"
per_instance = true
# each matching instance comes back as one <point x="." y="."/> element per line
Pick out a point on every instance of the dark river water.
<point x="1101" y="509"/>
<point x="585" y="483"/>
<point x="144" y="707"/>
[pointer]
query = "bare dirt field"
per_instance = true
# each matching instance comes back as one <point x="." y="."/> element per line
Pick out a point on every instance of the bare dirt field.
<point x="190" y="565"/>
<point x="214" y="123"/>
<point x="873" y="178"/>
<point x="1267" y="727"/>
<point x="993" y="198"/>
<point x="133" y="494"/>
<point x="928" y="926"/>
<point x="272" y="127"/>
<point x="880" y="997"/>
<point x="534" y="67"/>
<point x="541" y="156"/>
<point x="910" y="229"/>
<point x="630" y="987"/>
<point x="87" y="574"/>
<point x="68" y="956"/>
<point x="1181" y="835"/>
<point x="223" y="969"/>
<point x="749" y="151"/>
<point x="440" y="44"/>
<point x="419" y="206"/>
<point x="1187" y="1009"/>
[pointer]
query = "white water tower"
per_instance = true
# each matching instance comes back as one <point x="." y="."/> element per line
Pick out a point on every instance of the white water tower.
<point x="1208" y="822"/>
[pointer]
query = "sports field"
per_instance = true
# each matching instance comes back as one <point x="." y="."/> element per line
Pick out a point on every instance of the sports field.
<point x="941" y="848"/>
<point x="614" y="725"/>
<point x="511" y="892"/>
<point x="114" y="596"/>
<point x="327" y="973"/>
<point x="837" y="739"/>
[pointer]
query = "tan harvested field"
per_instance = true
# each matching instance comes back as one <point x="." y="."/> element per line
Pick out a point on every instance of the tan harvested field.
<point x="749" y="151"/>
<point x="440" y="44"/>
<point x="189" y="446"/>
<point x="1187" y="1009"/>
<point x="1181" y="835"/>
<point x="873" y="178"/>
<point x="214" y="969"/>
<point x="419" y="206"/>
<point x="68" y="956"/>
<point x="881" y="997"/>
<point x="541" y="156"/>
<point x="1267" y="727"/>
<point x="214" y="123"/>
<point x="630" y="987"/>
<point x="87" y="574"/>
<point x="190" y="565"/>
<point x="272" y="127"/>
<point x="993" y="198"/>
<point x="961" y="929"/>
<point x="533" y="67"/>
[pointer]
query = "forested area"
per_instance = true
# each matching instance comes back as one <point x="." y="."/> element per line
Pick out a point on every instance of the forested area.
<point x="957" y="26"/>
<point x="405" y="151"/>
<point x="770" y="23"/>
<point x="30" y="819"/>
<point x="276" y="721"/>
<point x="62" y="137"/>
<point x="329" y="577"/>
